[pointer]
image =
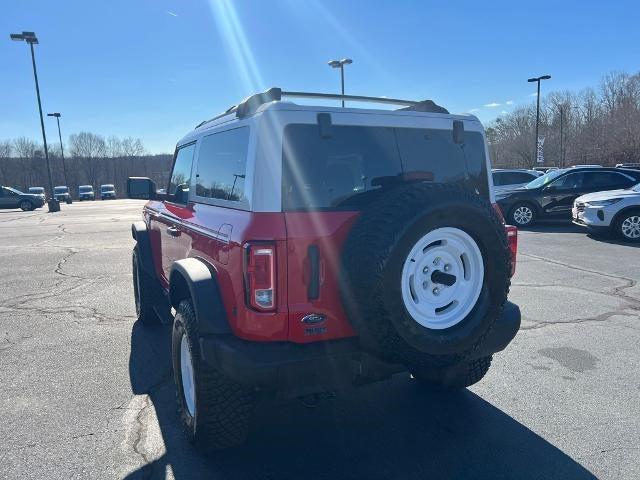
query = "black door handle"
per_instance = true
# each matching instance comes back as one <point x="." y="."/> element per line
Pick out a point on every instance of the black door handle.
<point x="173" y="231"/>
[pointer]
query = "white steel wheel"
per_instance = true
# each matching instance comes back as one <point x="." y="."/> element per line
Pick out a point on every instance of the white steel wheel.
<point x="630" y="227"/>
<point x="186" y="372"/>
<point x="523" y="215"/>
<point x="442" y="278"/>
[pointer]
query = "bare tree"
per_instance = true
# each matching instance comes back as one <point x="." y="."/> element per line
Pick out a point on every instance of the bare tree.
<point x="114" y="147"/>
<point x="132" y="147"/>
<point x="87" y="145"/>
<point x="24" y="147"/>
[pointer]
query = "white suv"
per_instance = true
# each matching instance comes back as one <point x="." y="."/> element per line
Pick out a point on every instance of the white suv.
<point x="615" y="210"/>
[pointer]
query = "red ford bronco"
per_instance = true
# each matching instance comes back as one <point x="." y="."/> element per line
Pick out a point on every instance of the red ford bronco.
<point x="308" y="248"/>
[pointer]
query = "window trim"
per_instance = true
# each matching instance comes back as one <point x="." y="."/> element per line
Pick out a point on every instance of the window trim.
<point x="243" y="204"/>
<point x="169" y="196"/>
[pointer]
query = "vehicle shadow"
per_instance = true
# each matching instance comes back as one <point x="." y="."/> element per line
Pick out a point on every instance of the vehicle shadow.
<point x="394" y="429"/>
<point x="553" y="226"/>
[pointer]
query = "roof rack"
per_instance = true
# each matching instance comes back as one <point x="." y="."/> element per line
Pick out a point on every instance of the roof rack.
<point x="250" y="104"/>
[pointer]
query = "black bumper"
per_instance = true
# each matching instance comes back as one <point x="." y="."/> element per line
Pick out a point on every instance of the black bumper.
<point x="300" y="369"/>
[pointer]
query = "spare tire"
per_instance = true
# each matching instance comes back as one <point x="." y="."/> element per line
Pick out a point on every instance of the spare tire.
<point x="425" y="274"/>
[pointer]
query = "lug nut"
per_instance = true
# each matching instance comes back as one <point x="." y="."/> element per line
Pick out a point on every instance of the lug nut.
<point x="425" y="285"/>
<point x="436" y="291"/>
<point x="425" y="270"/>
<point x="447" y="267"/>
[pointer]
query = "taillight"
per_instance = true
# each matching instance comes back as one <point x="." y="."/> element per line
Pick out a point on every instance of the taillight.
<point x="260" y="275"/>
<point x="512" y="241"/>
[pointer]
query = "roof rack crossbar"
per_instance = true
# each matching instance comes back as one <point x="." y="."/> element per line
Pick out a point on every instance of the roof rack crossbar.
<point x="250" y="104"/>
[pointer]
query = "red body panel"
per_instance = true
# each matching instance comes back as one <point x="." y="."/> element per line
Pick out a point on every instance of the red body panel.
<point x="328" y="231"/>
<point x="217" y="235"/>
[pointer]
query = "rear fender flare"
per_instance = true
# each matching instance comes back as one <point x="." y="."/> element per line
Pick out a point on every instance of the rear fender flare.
<point x="193" y="278"/>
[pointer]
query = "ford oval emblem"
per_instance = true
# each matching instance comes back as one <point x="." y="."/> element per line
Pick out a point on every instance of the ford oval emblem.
<point x="313" y="319"/>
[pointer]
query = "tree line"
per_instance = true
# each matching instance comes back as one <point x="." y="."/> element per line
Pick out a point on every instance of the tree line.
<point x="598" y="125"/>
<point x="89" y="159"/>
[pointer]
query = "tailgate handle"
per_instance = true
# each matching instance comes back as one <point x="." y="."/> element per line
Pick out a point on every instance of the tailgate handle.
<point x="313" y="289"/>
<point x="173" y="231"/>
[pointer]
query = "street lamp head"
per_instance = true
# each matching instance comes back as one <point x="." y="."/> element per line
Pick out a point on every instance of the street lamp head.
<point x="29" y="37"/>
<point x="346" y="61"/>
<point x="334" y="64"/>
<point x="55" y="114"/>
<point x="545" y="77"/>
<point x="537" y="79"/>
<point x="532" y="80"/>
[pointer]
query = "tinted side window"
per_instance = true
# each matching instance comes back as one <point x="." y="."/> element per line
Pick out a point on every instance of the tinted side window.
<point x="498" y="179"/>
<point x="569" y="182"/>
<point x="341" y="171"/>
<point x="181" y="174"/>
<point x="222" y="162"/>
<point x="606" y="180"/>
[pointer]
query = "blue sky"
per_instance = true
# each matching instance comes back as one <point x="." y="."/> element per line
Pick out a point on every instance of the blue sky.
<point x="155" y="68"/>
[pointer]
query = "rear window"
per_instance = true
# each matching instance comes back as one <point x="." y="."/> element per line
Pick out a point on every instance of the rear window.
<point x="348" y="169"/>
<point x="61" y="189"/>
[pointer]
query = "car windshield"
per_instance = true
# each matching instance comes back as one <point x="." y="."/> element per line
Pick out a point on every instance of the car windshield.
<point x="61" y="189"/>
<point x="85" y="189"/>
<point x="636" y="188"/>
<point x="106" y="188"/>
<point x="544" y="179"/>
<point x="36" y="190"/>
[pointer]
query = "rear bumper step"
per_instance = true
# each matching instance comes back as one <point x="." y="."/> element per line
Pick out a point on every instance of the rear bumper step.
<point x="300" y="369"/>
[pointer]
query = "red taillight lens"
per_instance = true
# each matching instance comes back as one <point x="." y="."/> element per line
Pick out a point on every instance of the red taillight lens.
<point x="260" y="273"/>
<point x="512" y="241"/>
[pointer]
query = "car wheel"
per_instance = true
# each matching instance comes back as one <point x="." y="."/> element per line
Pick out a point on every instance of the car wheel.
<point x="143" y="291"/>
<point x="426" y="273"/>
<point x="215" y="411"/>
<point x="26" y="206"/>
<point x="522" y="215"/>
<point x="628" y="226"/>
<point x="456" y="377"/>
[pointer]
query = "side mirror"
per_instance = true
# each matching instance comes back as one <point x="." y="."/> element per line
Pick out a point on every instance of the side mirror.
<point x="142" y="188"/>
<point x="182" y="193"/>
<point x="458" y="132"/>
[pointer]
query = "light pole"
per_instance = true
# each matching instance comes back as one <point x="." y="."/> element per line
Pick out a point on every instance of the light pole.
<point x="340" y="64"/>
<point x="538" y="79"/>
<point x="64" y="167"/>
<point x="31" y="39"/>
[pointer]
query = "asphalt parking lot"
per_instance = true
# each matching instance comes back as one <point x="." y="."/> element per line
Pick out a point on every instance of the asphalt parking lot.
<point x="87" y="393"/>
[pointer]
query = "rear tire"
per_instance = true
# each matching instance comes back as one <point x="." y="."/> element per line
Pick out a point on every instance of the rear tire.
<point x="522" y="215"/>
<point x="456" y="377"/>
<point x="26" y="206"/>
<point x="144" y="291"/>
<point x="216" y="411"/>
<point x="627" y="226"/>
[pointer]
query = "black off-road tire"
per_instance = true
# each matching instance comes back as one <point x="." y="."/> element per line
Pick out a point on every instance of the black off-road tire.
<point x="455" y="377"/>
<point x="618" y="225"/>
<point x="511" y="217"/>
<point x="223" y="408"/>
<point x="144" y="291"/>
<point x="373" y="258"/>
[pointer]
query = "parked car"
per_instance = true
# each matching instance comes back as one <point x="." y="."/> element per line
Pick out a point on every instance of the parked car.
<point x="12" y="198"/>
<point x="552" y="195"/>
<point x="545" y="169"/>
<point x="85" y="192"/>
<point x="62" y="194"/>
<point x="307" y="248"/>
<point x="38" y="191"/>
<point x="617" y="211"/>
<point x="505" y="179"/>
<point x="107" y="191"/>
